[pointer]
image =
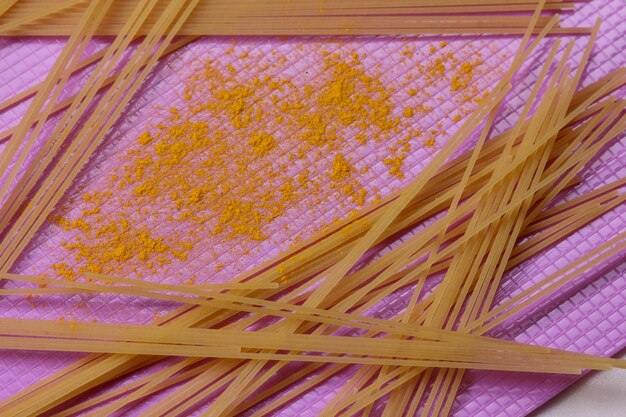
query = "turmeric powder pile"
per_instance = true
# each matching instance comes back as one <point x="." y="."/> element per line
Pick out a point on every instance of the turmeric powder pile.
<point x="243" y="147"/>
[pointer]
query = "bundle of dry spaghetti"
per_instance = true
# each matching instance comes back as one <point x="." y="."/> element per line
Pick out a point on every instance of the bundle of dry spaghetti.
<point x="279" y="17"/>
<point x="482" y="213"/>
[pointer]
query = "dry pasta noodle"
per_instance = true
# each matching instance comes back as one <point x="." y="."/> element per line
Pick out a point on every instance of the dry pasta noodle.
<point x="25" y="94"/>
<point x="100" y="121"/>
<point x="277" y="18"/>
<point x="78" y="106"/>
<point x="400" y="397"/>
<point x="51" y="89"/>
<point x="493" y="194"/>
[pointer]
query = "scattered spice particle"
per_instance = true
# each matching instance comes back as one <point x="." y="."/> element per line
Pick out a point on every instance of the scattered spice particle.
<point x="395" y="165"/>
<point x="145" y="138"/>
<point x="458" y="83"/>
<point x="408" y="51"/>
<point x="262" y="143"/>
<point x="64" y="270"/>
<point x="341" y="169"/>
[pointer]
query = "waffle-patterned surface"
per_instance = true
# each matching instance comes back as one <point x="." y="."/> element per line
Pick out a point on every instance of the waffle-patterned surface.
<point x="588" y="317"/>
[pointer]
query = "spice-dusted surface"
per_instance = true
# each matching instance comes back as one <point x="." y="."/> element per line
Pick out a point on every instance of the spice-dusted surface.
<point x="237" y="147"/>
<point x="243" y="141"/>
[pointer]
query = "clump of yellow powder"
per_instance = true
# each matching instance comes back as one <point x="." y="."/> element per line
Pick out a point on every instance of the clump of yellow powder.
<point x="341" y="168"/>
<point x="262" y="143"/>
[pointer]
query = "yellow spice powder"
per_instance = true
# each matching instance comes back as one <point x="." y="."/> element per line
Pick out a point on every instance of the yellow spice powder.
<point x="210" y="167"/>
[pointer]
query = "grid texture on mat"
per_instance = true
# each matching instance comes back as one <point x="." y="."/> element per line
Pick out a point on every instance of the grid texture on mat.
<point x="589" y="317"/>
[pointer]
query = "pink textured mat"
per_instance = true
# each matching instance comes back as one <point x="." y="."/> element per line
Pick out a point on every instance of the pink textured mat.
<point x="589" y="317"/>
